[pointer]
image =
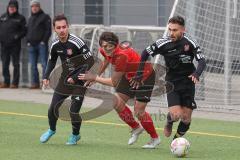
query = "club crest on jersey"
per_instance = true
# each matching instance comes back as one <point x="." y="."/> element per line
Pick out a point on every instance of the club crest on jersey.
<point x="69" y="52"/>
<point x="186" y="47"/>
<point x="125" y="45"/>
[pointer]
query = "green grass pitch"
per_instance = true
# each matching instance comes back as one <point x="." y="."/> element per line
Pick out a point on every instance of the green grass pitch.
<point x="105" y="138"/>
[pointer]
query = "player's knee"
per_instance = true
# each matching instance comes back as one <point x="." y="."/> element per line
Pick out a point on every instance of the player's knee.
<point x="175" y="116"/>
<point x="186" y="118"/>
<point x="118" y="105"/>
<point x="119" y="108"/>
<point x="52" y="112"/>
<point x="139" y="113"/>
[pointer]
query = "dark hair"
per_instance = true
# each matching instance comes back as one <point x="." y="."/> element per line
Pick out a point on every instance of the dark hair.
<point x="13" y="3"/>
<point x="59" y="18"/>
<point x="109" y="37"/>
<point x="177" y="20"/>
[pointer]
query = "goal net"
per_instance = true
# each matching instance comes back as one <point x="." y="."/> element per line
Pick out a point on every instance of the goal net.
<point x="139" y="37"/>
<point x="215" y="25"/>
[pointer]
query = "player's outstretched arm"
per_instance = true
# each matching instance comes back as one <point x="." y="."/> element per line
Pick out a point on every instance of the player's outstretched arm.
<point x="103" y="67"/>
<point x="113" y="81"/>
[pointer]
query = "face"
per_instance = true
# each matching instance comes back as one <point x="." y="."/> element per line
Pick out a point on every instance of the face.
<point x="108" y="47"/>
<point x="61" y="28"/>
<point x="35" y="8"/>
<point x="175" y="31"/>
<point x="12" y="9"/>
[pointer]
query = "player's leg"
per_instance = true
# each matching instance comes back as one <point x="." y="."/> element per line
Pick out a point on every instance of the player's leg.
<point x="123" y="110"/>
<point x="143" y="96"/>
<point x="173" y="115"/>
<point x="188" y="104"/>
<point x="76" y="119"/>
<point x="53" y="111"/>
<point x="147" y="123"/>
<point x="53" y="114"/>
<point x="127" y="116"/>
<point x="123" y="94"/>
<point x="174" y="112"/>
<point x="185" y="122"/>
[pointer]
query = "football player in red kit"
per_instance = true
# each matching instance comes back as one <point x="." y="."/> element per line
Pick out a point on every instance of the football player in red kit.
<point x="125" y="61"/>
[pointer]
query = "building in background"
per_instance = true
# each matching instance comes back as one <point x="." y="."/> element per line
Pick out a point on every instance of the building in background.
<point x="106" y="12"/>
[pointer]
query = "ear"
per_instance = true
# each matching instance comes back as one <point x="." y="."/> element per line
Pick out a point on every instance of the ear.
<point x="184" y="29"/>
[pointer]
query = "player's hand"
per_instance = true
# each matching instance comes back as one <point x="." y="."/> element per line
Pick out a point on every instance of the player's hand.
<point x="194" y="78"/>
<point x="89" y="83"/>
<point x="70" y="81"/>
<point x="136" y="82"/>
<point x="87" y="76"/>
<point x="45" y="83"/>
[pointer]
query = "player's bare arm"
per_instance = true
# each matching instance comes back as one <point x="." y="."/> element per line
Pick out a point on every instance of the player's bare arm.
<point x="103" y="67"/>
<point x="113" y="81"/>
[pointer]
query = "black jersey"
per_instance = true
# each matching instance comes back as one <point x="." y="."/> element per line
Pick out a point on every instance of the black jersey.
<point x="178" y="56"/>
<point x="72" y="53"/>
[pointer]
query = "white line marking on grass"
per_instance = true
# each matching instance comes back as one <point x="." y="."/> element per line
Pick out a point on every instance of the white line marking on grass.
<point x="122" y="125"/>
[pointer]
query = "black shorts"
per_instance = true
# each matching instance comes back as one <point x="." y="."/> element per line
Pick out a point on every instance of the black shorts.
<point x="62" y="87"/>
<point x="182" y="94"/>
<point x="142" y="94"/>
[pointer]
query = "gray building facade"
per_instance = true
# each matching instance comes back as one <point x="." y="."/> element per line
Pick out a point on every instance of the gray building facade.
<point x="106" y="12"/>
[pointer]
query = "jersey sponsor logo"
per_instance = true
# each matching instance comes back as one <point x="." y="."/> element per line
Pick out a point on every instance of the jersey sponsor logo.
<point x="186" y="47"/>
<point x="125" y="45"/>
<point x="69" y="52"/>
<point x="185" y="59"/>
<point x="59" y="51"/>
<point x="172" y="50"/>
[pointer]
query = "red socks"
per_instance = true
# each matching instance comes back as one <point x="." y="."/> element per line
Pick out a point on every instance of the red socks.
<point x="147" y="123"/>
<point x="127" y="116"/>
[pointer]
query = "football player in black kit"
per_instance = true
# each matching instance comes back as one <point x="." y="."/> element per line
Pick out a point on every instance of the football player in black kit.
<point x="179" y="51"/>
<point x="76" y="58"/>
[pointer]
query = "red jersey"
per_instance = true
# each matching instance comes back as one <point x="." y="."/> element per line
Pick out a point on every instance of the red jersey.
<point x="127" y="60"/>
